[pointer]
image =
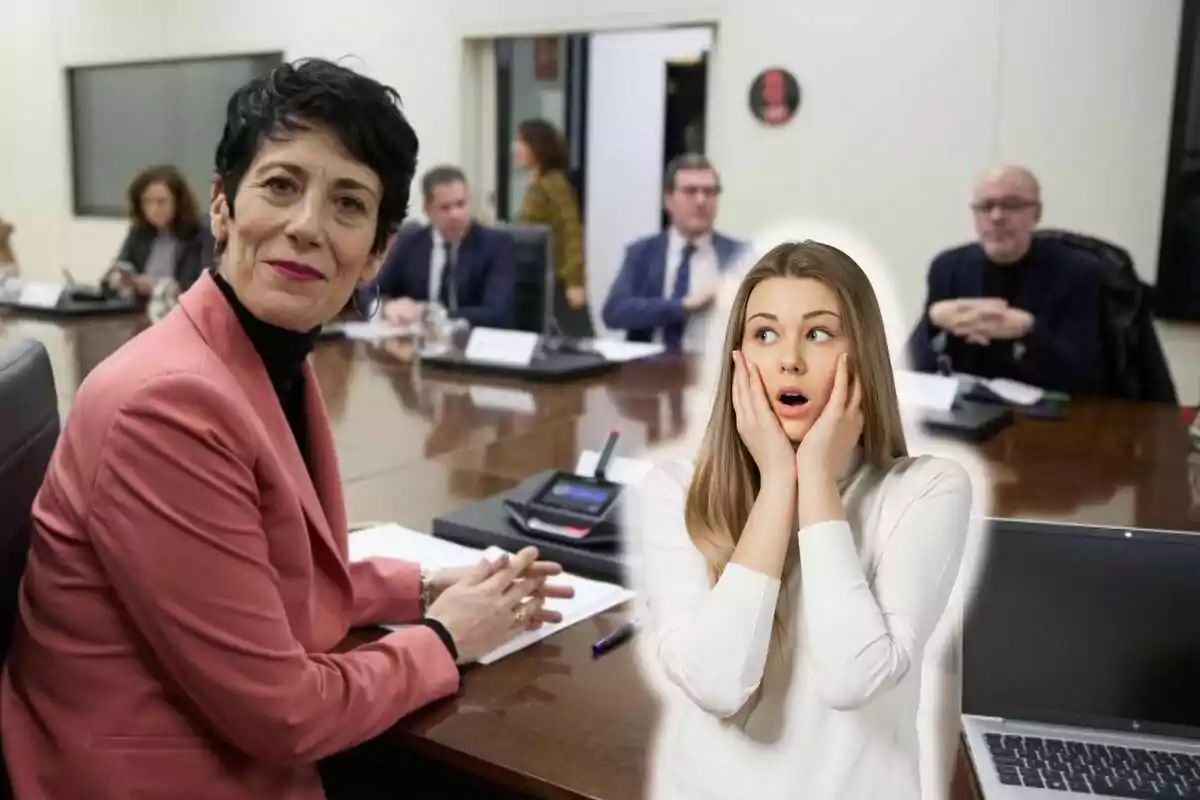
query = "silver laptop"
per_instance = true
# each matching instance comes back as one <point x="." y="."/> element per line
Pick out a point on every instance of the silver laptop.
<point x="1081" y="663"/>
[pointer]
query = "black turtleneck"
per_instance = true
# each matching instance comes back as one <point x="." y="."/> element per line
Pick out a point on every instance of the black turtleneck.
<point x="282" y="353"/>
<point x="1004" y="280"/>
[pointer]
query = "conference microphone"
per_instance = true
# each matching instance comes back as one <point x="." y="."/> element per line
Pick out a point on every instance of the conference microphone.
<point x="939" y="344"/>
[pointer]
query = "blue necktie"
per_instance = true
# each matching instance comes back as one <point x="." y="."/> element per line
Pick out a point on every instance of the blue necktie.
<point x="447" y="292"/>
<point x="673" y="334"/>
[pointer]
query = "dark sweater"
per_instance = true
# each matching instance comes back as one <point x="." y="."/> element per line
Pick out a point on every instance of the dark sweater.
<point x="282" y="353"/>
<point x="1059" y="286"/>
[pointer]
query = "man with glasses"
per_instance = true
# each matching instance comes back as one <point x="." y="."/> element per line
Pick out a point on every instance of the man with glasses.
<point x="1013" y="305"/>
<point x="670" y="279"/>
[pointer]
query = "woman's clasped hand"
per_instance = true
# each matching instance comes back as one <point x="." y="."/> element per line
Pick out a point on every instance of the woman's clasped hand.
<point x="485" y="605"/>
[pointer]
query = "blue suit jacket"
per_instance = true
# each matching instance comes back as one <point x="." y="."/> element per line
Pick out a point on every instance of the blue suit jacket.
<point x="638" y="301"/>
<point x="483" y="273"/>
<point x="1060" y="287"/>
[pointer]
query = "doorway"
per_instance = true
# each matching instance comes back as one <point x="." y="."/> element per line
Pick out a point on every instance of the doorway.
<point x="686" y="105"/>
<point x="1177" y="294"/>
<point x="540" y="77"/>
<point x="627" y="102"/>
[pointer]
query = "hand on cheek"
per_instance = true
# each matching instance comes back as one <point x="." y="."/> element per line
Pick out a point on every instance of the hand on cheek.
<point x="757" y="424"/>
<point x="836" y="431"/>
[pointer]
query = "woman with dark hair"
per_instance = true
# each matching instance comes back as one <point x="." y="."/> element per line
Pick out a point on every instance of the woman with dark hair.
<point x="188" y="582"/>
<point x="550" y="200"/>
<point x="8" y="257"/>
<point x="166" y="238"/>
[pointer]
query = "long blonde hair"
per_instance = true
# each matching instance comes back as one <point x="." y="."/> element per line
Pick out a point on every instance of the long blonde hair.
<point x="726" y="480"/>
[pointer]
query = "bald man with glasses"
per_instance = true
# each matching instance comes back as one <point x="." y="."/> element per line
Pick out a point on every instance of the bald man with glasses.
<point x="1012" y="305"/>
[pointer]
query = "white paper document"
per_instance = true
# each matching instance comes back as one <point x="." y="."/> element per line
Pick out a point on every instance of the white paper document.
<point x="922" y="390"/>
<point x="373" y="330"/>
<point x="40" y="295"/>
<point x="496" y="346"/>
<point x="393" y="541"/>
<point x="1015" y="392"/>
<point x="625" y="471"/>
<point x="618" y="350"/>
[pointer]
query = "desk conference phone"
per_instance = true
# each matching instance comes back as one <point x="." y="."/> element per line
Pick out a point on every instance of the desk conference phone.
<point x="572" y="508"/>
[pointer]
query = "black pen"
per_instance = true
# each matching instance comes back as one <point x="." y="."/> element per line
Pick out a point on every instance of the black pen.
<point x="613" y="640"/>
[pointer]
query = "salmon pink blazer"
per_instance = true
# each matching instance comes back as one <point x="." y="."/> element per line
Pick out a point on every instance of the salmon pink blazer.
<point x="188" y="582"/>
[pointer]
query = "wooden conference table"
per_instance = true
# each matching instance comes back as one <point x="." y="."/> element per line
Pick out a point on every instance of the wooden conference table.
<point x="550" y="722"/>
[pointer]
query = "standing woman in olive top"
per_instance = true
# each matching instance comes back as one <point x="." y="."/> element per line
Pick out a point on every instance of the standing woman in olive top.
<point x="166" y="236"/>
<point x="8" y="256"/>
<point x="188" y="583"/>
<point x="550" y="200"/>
<point x="795" y="570"/>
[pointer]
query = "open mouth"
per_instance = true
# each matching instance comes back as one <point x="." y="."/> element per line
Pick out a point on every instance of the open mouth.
<point x="793" y="399"/>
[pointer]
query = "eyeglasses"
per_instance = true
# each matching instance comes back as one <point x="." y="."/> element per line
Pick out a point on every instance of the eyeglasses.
<point x="1006" y="204"/>
<point x="699" y="191"/>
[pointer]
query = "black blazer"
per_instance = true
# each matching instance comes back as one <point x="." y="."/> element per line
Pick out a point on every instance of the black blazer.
<point x="484" y="273"/>
<point x="195" y="254"/>
<point x="1060" y="287"/>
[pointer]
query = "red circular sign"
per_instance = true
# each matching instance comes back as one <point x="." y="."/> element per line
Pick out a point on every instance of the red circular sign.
<point x="774" y="96"/>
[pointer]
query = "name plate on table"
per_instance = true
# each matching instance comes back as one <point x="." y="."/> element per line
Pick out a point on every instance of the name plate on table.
<point x="40" y="295"/>
<point x="496" y="346"/>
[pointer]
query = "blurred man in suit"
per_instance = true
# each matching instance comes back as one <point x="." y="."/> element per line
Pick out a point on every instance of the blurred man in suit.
<point x="454" y="260"/>
<point x="1012" y="305"/>
<point x="669" y="279"/>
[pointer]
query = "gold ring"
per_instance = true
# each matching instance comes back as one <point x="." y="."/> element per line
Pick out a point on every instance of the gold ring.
<point x="522" y="613"/>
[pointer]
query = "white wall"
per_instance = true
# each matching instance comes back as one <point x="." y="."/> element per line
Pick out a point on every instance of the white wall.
<point x="627" y="81"/>
<point x="1085" y="97"/>
<point x="39" y="38"/>
<point x="903" y="104"/>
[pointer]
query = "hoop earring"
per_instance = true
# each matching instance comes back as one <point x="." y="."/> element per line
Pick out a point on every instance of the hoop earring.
<point x="374" y="306"/>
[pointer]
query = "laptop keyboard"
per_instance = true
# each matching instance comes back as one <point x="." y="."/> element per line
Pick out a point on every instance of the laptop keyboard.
<point x="1086" y="768"/>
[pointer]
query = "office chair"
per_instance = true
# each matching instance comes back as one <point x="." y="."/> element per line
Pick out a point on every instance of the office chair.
<point x="27" y="438"/>
<point x="1137" y="364"/>
<point x="533" y="289"/>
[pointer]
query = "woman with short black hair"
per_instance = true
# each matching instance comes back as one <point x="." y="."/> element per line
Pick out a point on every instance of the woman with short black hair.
<point x="188" y="583"/>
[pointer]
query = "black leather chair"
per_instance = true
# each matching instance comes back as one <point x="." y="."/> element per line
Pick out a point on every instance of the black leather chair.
<point x="1137" y="365"/>
<point x="533" y="280"/>
<point x="28" y="432"/>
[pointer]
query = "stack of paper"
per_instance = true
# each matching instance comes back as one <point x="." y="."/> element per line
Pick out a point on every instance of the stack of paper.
<point x="1015" y="392"/>
<point x="393" y="541"/>
<point x="925" y="391"/>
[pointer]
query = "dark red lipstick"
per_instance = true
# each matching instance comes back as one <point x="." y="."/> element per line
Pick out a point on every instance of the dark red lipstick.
<point x="296" y="271"/>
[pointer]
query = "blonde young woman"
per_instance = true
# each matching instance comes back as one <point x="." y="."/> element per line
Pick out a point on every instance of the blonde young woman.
<point x="795" y="571"/>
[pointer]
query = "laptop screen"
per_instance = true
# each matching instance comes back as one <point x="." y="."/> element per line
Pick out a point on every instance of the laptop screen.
<point x="1086" y="626"/>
